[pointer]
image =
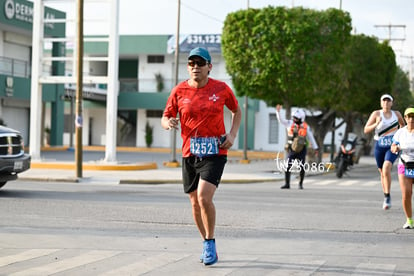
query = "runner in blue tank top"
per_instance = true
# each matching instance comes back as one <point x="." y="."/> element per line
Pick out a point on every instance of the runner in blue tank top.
<point x="385" y="122"/>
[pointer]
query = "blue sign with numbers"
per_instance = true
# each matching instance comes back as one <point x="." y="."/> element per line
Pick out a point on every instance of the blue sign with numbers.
<point x="212" y="42"/>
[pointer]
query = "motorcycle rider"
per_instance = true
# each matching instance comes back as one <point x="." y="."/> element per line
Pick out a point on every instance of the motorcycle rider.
<point x="346" y="153"/>
<point x="350" y="140"/>
<point x="297" y="122"/>
<point x="385" y="122"/>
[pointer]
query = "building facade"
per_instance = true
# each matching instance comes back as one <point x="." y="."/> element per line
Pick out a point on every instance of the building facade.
<point x="147" y="73"/>
<point x="15" y="66"/>
<point x="146" y="77"/>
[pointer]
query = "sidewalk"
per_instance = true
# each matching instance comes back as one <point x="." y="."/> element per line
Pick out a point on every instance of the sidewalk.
<point x="261" y="167"/>
<point x="256" y="171"/>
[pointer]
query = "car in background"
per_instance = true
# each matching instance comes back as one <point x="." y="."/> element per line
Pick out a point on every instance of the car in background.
<point x="13" y="159"/>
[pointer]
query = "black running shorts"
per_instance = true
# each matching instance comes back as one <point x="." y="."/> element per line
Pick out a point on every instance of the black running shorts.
<point x="207" y="168"/>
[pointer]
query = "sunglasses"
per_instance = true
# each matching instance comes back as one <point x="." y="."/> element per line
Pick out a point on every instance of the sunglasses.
<point x="200" y="63"/>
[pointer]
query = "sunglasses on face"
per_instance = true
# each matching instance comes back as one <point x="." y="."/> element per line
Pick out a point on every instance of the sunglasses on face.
<point x="200" y="63"/>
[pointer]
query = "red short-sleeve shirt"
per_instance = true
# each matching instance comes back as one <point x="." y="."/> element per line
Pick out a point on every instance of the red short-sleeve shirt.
<point x="201" y="110"/>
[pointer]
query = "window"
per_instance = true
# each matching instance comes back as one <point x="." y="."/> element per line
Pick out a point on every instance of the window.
<point x="154" y="113"/>
<point x="273" y="129"/>
<point x="68" y="124"/>
<point x="155" y="59"/>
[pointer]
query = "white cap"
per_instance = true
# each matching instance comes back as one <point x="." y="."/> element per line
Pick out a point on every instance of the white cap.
<point x="300" y="114"/>
<point x="387" y="96"/>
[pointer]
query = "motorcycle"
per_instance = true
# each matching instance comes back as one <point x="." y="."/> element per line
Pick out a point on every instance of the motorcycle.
<point x="345" y="158"/>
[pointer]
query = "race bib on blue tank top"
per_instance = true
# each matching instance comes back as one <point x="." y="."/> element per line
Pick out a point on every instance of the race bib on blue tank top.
<point x="385" y="141"/>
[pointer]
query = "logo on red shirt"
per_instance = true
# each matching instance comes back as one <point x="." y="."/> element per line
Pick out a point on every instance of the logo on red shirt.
<point x="213" y="98"/>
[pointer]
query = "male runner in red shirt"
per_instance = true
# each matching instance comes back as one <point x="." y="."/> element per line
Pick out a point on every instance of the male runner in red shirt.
<point x="200" y="102"/>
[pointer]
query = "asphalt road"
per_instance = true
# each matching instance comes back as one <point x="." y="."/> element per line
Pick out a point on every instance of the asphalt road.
<point x="332" y="227"/>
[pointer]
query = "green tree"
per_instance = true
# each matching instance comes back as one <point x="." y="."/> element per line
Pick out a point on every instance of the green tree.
<point x="149" y="134"/>
<point x="282" y="55"/>
<point x="308" y="58"/>
<point x="369" y="72"/>
<point x="401" y="91"/>
<point x="159" y="79"/>
<point x="287" y="56"/>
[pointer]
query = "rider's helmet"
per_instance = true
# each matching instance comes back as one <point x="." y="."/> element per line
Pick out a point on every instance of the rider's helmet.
<point x="299" y="116"/>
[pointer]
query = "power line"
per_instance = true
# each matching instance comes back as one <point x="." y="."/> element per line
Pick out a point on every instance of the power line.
<point x="390" y="27"/>
<point x="410" y="71"/>
<point x="202" y="13"/>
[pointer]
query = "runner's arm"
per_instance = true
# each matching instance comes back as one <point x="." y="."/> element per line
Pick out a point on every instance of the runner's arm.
<point x="373" y="122"/>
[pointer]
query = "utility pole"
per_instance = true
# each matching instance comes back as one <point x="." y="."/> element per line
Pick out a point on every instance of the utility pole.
<point x="411" y="71"/>
<point x="333" y="148"/>
<point x="245" y="160"/>
<point x="79" y="91"/>
<point x="390" y="27"/>
<point x="174" y="162"/>
<point x="390" y="38"/>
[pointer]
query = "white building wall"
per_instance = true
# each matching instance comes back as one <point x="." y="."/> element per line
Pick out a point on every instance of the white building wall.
<point x="16" y="116"/>
<point x="1" y="43"/>
<point x="96" y="117"/>
<point x="140" y="136"/>
<point x="18" y="52"/>
<point x="17" y="46"/>
<point x="15" y="112"/>
<point x="94" y="125"/>
<point x="85" y="127"/>
<point x="261" y="131"/>
<point x="147" y="71"/>
<point x="339" y="135"/>
<point x="161" y="137"/>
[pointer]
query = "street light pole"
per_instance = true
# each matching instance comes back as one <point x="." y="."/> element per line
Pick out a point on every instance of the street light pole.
<point x="245" y="159"/>
<point x="79" y="90"/>
<point x="176" y="56"/>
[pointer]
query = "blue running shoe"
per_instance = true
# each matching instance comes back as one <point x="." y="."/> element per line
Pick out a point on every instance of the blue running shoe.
<point x="202" y="254"/>
<point x="210" y="253"/>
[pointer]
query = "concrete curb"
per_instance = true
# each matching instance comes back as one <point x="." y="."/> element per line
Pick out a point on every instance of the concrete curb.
<point x="94" y="166"/>
<point x="179" y="181"/>
<point x="236" y="155"/>
<point x="154" y="181"/>
<point x="135" y="173"/>
<point x="143" y="182"/>
<point x="50" y="179"/>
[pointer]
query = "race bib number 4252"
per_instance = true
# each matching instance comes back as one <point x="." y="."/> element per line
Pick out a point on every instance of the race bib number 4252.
<point x="204" y="146"/>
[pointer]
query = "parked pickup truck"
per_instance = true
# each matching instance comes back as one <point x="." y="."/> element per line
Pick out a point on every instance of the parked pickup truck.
<point x="13" y="159"/>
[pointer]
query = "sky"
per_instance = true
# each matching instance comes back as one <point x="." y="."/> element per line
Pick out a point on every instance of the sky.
<point x="384" y="19"/>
